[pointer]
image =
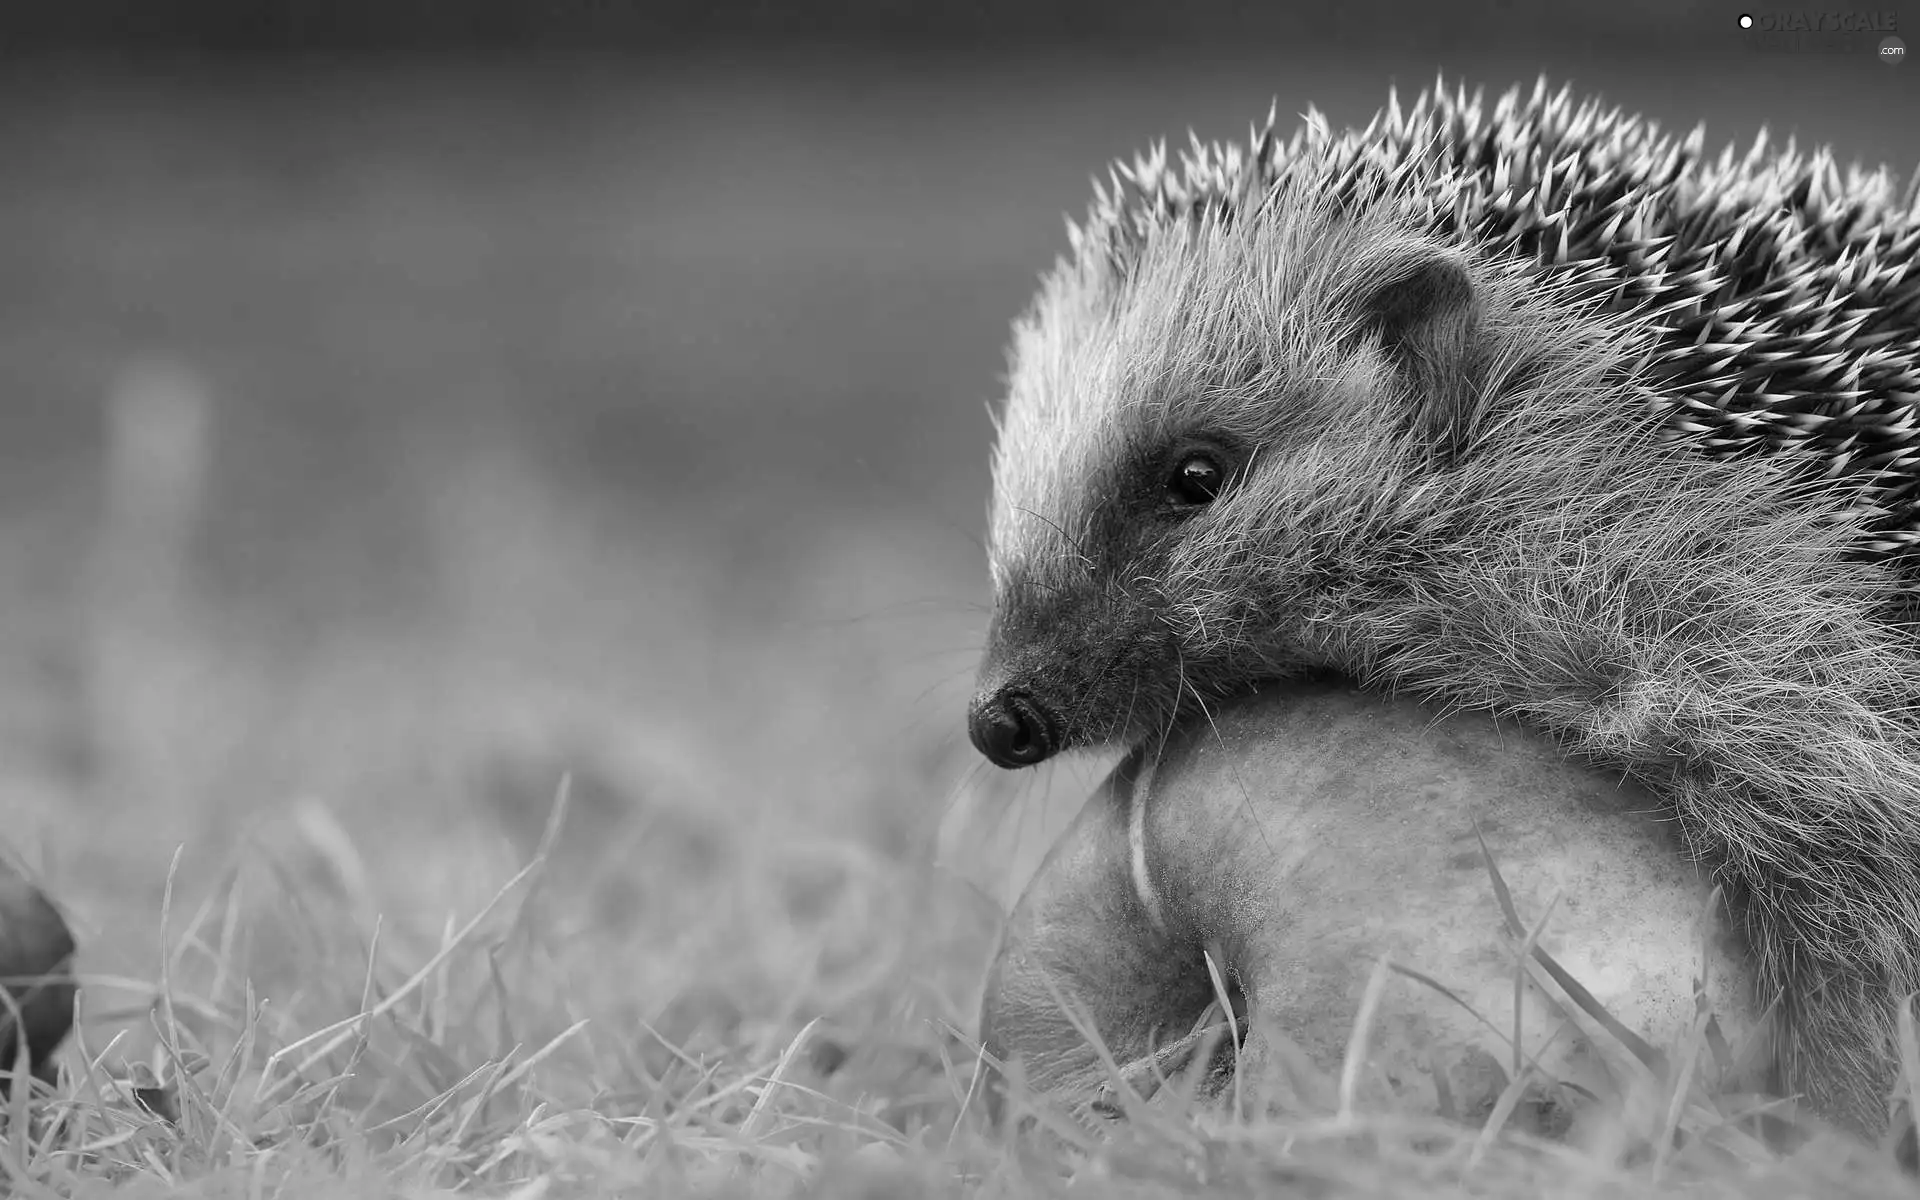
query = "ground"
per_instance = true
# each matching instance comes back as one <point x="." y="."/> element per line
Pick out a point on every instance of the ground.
<point x="609" y="431"/>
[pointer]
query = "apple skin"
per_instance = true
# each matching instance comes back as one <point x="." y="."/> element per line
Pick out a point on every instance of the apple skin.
<point x="1307" y="831"/>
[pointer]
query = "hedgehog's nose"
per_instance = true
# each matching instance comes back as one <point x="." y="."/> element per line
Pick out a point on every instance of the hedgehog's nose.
<point x="1012" y="730"/>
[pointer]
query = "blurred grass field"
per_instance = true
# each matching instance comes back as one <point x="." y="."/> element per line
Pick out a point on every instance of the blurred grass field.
<point x="626" y="421"/>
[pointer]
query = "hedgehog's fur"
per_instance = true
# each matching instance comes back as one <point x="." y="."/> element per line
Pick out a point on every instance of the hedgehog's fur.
<point x="1638" y="463"/>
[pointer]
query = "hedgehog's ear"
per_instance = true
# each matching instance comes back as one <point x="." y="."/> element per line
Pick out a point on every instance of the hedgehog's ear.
<point x="1420" y="301"/>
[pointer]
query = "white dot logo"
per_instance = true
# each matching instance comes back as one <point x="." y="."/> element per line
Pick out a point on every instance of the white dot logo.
<point x="1746" y="20"/>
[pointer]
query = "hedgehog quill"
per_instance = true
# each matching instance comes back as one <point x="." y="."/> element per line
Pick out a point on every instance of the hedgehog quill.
<point x="1526" y="408"/>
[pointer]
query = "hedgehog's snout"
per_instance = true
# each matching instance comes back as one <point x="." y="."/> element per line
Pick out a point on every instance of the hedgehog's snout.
<point x="1012" y="729"/>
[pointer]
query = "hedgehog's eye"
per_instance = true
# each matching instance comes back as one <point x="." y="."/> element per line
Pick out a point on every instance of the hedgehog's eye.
<point x="1197" y="478"/>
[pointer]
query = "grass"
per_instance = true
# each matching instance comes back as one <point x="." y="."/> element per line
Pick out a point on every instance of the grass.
<point x="622" y="465"/>
<point x="456" y="1066"/>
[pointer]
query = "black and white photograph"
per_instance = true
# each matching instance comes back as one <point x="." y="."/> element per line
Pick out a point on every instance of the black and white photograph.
<point x="978" y="601"/>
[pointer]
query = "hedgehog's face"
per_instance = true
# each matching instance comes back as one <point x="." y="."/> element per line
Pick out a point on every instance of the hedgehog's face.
<point x="1177" y="442"/>
<point x="1083" y="630"/>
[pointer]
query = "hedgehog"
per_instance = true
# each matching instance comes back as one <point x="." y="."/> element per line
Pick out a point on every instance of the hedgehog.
<point x="1529" y="409"/>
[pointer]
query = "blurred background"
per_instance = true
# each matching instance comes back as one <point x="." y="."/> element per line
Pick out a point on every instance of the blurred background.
<point x="406" y="403"/>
